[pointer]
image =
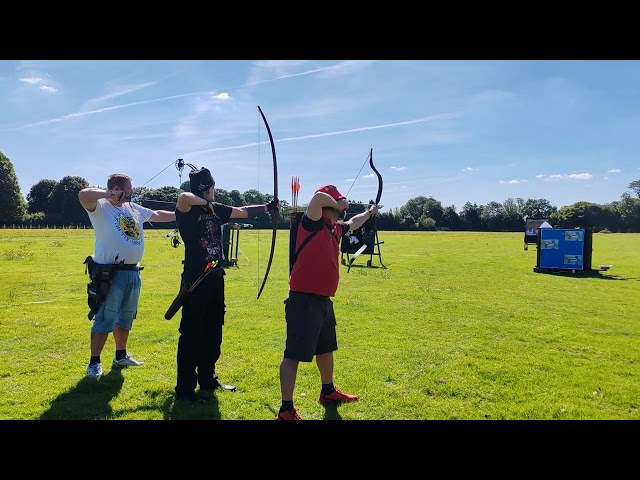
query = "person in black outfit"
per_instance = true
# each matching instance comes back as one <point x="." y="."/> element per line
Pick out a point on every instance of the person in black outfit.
<point x="199" y="221"/>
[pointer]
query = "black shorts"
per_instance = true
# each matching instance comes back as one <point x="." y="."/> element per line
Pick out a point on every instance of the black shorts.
<point x="311" y="326"/>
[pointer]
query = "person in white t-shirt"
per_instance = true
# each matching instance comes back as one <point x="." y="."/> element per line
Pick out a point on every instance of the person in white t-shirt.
<point x="119" y="239"/>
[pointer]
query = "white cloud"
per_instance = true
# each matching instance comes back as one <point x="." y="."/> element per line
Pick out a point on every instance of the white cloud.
<point x="513" y="182"/>
<point x="571" y="176"/>
<point x="580" y="176"/>
<point x="540" y="176"/>
<point x="205" y="110"/>
<point x="468" y="169"/>
<point x="32" y="80"/>
<point x="614" y="170"/>
<point x="398" y="169"/>
<point x="44" y="82"/>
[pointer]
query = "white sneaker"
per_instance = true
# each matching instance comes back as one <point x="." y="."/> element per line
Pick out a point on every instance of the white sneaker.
<point x="95" y="370"/>
<point x="127" y="361"/>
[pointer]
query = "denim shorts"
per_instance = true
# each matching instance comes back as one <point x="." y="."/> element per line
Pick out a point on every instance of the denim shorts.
<point x="121" y="305"/>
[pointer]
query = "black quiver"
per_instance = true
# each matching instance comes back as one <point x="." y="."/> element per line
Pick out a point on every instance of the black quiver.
<point x="100" y="279"/>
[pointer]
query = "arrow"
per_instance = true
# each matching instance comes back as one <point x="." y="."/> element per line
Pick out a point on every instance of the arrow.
<point x="355" y="255"/>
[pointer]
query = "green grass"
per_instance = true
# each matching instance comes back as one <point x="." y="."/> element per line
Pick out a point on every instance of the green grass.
<point x="458" y="326"/>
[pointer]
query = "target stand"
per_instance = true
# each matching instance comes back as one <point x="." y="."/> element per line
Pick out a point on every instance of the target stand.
<point x="352" y="241"/>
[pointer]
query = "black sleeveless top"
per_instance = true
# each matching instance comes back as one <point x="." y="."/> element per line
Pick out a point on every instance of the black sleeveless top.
<point x="201" y="233"/>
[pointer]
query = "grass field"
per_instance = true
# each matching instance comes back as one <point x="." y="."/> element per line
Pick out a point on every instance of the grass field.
<point x="457" y="326"/>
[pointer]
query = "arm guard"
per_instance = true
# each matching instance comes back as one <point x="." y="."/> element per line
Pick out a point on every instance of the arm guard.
<point x="253" y="210"/>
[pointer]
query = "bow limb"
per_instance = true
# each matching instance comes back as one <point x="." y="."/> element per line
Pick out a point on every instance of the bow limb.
<point x="379" y="194"/>
<point x="275" y="212"/>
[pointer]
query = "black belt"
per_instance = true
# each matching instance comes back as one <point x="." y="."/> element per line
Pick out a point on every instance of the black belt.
<point x="312" y="295"/>
<point x="129" y="266"/>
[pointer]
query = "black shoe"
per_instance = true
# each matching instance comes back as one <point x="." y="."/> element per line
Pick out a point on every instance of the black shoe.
<point x="218" y="384"/>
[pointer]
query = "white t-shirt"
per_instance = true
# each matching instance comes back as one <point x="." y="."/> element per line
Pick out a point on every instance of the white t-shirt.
<point x="119" y="232"/>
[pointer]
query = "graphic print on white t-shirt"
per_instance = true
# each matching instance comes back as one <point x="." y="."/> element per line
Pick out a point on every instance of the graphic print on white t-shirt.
<point x="128" y="226"/>
<point x="119" y="231"/>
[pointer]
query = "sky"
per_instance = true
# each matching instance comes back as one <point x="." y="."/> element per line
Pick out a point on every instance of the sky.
<point x="456" y="130"/>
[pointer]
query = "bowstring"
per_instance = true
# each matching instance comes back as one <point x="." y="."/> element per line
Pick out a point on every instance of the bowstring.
<point x="259" y="163"/>
<point x="354" y="180"/>
<point x="179" y="164"/>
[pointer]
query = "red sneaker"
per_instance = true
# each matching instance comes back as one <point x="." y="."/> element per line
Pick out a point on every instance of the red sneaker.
<point x="337" y="396"/>
<point x="289" y="415"/>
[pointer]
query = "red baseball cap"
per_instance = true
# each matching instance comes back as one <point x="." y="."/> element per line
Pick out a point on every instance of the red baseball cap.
<point x="332" y="191"/>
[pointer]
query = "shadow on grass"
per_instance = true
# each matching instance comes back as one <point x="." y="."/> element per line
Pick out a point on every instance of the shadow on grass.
<point x="331" y="412"/>
<point x="582" y="274"/>
<point x="89" y="400"/>
<point x="206" y="408"/>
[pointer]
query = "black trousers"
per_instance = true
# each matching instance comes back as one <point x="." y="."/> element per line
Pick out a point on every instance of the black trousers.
<point x="199" y="345"/>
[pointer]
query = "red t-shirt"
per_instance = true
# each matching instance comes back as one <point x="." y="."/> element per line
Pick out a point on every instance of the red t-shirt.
<point x="316" y="268"/>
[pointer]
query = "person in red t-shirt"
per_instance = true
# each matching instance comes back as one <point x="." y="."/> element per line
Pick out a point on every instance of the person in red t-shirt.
<point x="311" y="321"/>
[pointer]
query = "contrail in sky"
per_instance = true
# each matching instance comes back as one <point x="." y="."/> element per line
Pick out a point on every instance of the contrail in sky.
<point x="440" y="116"/>
<point x="143" y="102"/>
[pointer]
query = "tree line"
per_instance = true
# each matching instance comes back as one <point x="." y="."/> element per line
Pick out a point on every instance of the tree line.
<point x="55" y="203"/>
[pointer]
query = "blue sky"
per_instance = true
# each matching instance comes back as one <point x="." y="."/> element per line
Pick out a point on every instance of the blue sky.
<point x="456" y="130"/>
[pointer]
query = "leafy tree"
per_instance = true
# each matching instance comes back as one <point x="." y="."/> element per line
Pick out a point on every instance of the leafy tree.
<point x="253" y="197"/>
<point x="432" y="208"/>
<point x="164" y="194"/>
<point x="512" y="215"/>
<point x="222" y="196"/>
<point x="185" y="186"/>
<point x="140" y="194"/>
<point x="412" y="210"/>
<point x="450" y="218"/>
<point x="426" y="223"/>
<point x="65" y="207"/>
<point x="163" y="198"/>
<point x="629" y="210"/>
<point x="408" y="223"/>
<point x="38" y="196"/>
<point x="635" y="186"/>
<point x="492" y="216"/>
<point x="538" y="208"/>
<point x="612" y="217"/>
<point x="582" y="215"/>
<point x="36" y="218"/>
<point x="387" y="221"/>
<point x="471" y="216"/>
<point x="237" y="200"/>
<point x="13" y="207"/>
